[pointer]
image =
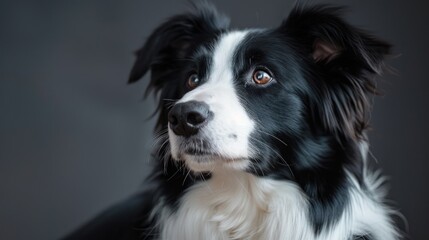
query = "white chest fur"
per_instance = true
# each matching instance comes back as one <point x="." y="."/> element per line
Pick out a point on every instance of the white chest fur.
<point x="237" y="205"/>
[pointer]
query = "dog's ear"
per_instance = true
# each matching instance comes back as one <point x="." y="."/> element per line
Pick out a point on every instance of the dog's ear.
<point x="175" y="37"/>
<point x="167" y="50"/>
<point x="344" y="58"/>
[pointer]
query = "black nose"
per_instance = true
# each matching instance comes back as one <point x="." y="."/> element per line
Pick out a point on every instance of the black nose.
<point x="187" y="118"/>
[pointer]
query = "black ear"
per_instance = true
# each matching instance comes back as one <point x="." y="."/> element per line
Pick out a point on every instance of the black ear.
<point x="168" y="49"/>
<point x="173" y="40"/>
<point x="328" y="37"/>
<point x="343" y="60"/>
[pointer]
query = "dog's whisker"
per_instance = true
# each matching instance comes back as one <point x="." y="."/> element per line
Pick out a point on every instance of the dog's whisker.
<point x="276" y="138"/>
<point x="157" y="140"/>
<point x="275" y="152"/>
<point x="186" y="176"/>
<point x="175" y="173"/>
<point x="160" y="134"/>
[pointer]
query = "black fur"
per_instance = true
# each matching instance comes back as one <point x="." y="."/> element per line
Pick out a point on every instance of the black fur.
<point x="167" y="52"/>
<point x="310" y="121"/>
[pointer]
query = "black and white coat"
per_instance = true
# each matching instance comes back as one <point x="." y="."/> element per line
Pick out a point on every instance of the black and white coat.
<point x="262" y="133"/>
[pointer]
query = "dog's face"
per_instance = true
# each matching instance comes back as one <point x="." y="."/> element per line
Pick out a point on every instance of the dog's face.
<point x="242" y="88"/>
<point x="209" y="125"/>
<point x="247" y="99"/>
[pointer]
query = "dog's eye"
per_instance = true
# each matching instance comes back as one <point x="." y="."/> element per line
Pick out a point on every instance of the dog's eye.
<point x="261" y="77"/>
<point x="193" y="81"/>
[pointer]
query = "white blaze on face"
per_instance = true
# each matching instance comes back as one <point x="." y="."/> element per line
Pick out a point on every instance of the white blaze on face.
<point x="229" y="131"/>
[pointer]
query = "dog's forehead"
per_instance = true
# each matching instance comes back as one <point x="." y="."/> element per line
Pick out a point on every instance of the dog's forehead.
<point x="232" y="51"/>
<point x="226" y="46"/>
<point x="215" y="63"/>
<point x="223" y="54"/>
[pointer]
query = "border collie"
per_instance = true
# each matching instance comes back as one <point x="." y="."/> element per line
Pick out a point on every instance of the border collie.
<point x="262" y="132"/>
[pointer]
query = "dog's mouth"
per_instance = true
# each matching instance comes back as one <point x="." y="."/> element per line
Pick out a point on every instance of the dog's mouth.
<point x="196" y="147"/>
<point x="201" y="154"/>
<point x="198" y="152"/>
<point x="207" y="154"/>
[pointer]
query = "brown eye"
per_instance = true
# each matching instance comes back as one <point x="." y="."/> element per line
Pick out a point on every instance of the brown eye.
<point x="261" y="77"/>
<point x="193" y="81"/>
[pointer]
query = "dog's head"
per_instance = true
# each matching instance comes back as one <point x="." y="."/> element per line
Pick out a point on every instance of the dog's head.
<point x="247" y="99"/>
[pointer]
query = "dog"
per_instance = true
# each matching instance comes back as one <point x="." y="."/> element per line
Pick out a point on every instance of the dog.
<point x="262" y="132"/>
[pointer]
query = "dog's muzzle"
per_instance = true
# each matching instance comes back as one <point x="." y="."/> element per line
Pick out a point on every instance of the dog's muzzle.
<point x="187" y="118"/>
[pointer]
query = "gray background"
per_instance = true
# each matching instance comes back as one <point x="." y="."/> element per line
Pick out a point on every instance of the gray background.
<point x="74" y="137"/>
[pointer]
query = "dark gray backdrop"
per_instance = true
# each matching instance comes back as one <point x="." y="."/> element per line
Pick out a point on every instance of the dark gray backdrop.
<point x="73" y="135"/>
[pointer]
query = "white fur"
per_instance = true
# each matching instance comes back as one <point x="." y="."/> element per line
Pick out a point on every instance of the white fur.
<point x="230" y="129"/>
<point x="237" y="205"/>
<point x="234" y="204"/>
